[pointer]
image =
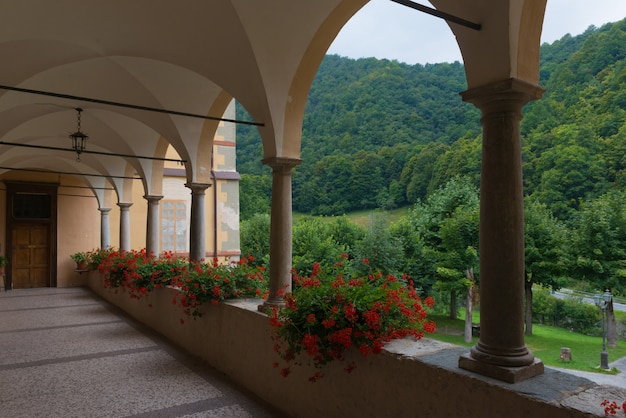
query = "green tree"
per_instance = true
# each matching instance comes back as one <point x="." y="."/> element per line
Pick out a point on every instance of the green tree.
<point x="417" y="174"/>
<point x="255" y="238"/>
<point x="419" y="259"/>
<point x="345" y="233"/>
<point x="569" y="173"/>
<point x="462" y="159"/>
<point x="545" y="259"/>
<point x="380" y="248"/>
<point x="313" y="243"/>
<point x="422" y="235"/>
<point x="255" y="193"/>
<point x="599" y="247"/>
<point x="366" y="181"/>
<point x="458" y="263"/>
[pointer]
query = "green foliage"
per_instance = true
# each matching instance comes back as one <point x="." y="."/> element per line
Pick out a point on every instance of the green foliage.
<point x="419" y="259"/>
<point x="97" y="256"/>
<point x="573" y="136"/>
<point x="381" y="134"/>
<point x="419" y="171"/>
<point x="380" y="248"/>
<point x="545" y="256"/>
<point x="255" y="194"/>
<point x="313" y="242"/>
<point x="346" y="233"/>
<point x="599" y="244"/>
<point x="569" y="313"/>
<point x="79" y="257"/>
<point x="255" y="238"/>
<point x="462" y="159"/>
<point x="363" y="121"/>
<point x="440" y="236"/>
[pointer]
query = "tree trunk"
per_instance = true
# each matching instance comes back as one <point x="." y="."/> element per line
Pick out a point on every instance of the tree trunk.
<point x="469" y="273"/>
<point x="453" y="313"/>
<point x="528" y="318"/>
<point x="611" y="333"/>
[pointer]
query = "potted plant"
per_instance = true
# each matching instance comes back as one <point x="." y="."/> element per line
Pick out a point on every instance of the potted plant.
<point x="81" y="260"/>
<point x="3" y="262"/>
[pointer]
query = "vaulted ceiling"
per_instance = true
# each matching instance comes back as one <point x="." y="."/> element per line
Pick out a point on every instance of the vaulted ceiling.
<point x="192" y="56"/>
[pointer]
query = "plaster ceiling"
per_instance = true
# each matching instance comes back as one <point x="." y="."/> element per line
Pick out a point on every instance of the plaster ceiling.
<point x="193" y="57"/>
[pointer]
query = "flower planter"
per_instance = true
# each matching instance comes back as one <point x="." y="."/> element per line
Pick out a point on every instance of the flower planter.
<point x="407" y="379"/>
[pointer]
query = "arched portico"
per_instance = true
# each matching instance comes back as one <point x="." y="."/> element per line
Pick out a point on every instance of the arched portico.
<point x="502" y="68"/>
<point x="267" y="55"/>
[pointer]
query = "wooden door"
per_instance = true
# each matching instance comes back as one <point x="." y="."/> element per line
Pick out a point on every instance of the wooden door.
<point x="30" y="261"/>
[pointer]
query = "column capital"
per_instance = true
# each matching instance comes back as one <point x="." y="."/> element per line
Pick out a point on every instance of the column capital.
<point x="104" y="210"/>
<point x="152" y="198"/>
<point x="124" y="205"/>
<point x="197" y="188"/>
<point x="283" y="164"/>
<point x="502" y="96"/>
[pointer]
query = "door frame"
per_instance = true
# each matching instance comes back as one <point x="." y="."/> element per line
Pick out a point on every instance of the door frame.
<point x="49" y="189"/>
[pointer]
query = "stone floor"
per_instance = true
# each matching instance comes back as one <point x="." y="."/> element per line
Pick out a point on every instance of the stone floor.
<point x="64" y="352"/>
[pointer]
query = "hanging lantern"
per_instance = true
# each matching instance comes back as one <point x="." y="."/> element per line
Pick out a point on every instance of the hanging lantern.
<point x="79" y="139"/>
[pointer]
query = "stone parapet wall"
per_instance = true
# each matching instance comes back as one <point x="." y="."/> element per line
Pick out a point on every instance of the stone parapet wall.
<point x="409" y="379"/>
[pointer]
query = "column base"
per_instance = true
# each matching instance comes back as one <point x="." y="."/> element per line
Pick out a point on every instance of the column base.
<point x="505" y="374"/>
<point x="269" y="304"/>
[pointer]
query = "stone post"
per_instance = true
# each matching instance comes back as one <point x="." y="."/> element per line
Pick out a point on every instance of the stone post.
<point x="197" y="233"/>
<point x="280" y="230"/>
<point x="152" y="226"/>
<point x="105" y="232"/>
<point x="124" y="226"/>
<point x="501" y="352"/>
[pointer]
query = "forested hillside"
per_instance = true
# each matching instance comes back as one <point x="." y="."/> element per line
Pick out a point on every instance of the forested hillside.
<point x="575" y="137"/>
<point x="380" y="133"/>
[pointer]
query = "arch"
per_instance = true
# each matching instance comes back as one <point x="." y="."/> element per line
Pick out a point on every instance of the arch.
<point x="506" y="46"/>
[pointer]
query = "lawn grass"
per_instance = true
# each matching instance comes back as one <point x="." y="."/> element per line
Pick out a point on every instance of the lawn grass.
<point x="545" y="343"/>
<point x="363" y="218"/>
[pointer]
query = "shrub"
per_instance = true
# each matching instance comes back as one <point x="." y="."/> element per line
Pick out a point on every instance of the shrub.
<point x="570" y="313"/>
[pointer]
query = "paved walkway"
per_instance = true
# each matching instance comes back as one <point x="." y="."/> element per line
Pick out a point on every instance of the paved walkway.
<point x="618" y="380"/>
<point x="68" y="353"/>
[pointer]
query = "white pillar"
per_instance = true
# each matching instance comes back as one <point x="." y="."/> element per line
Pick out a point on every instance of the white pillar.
<point x="197" y="233"/>
<point x="124" y="226"/>
<point x="152" y="226"/>
<point x="105" y="232"/>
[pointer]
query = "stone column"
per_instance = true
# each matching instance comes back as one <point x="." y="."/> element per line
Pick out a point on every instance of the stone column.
<point x="197" y="233"/>
<point x="124" y="226"/>
<point x="280" y="230"/>
<point x="501" y="351"/>
<point x="152" y="227"/>
<point x="105" y="232"/>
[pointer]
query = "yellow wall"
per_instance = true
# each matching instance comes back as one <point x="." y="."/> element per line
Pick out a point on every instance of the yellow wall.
<point x="138" y="219"/>
<point x="78" y="221"/>
<point x="78" y="229"/>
